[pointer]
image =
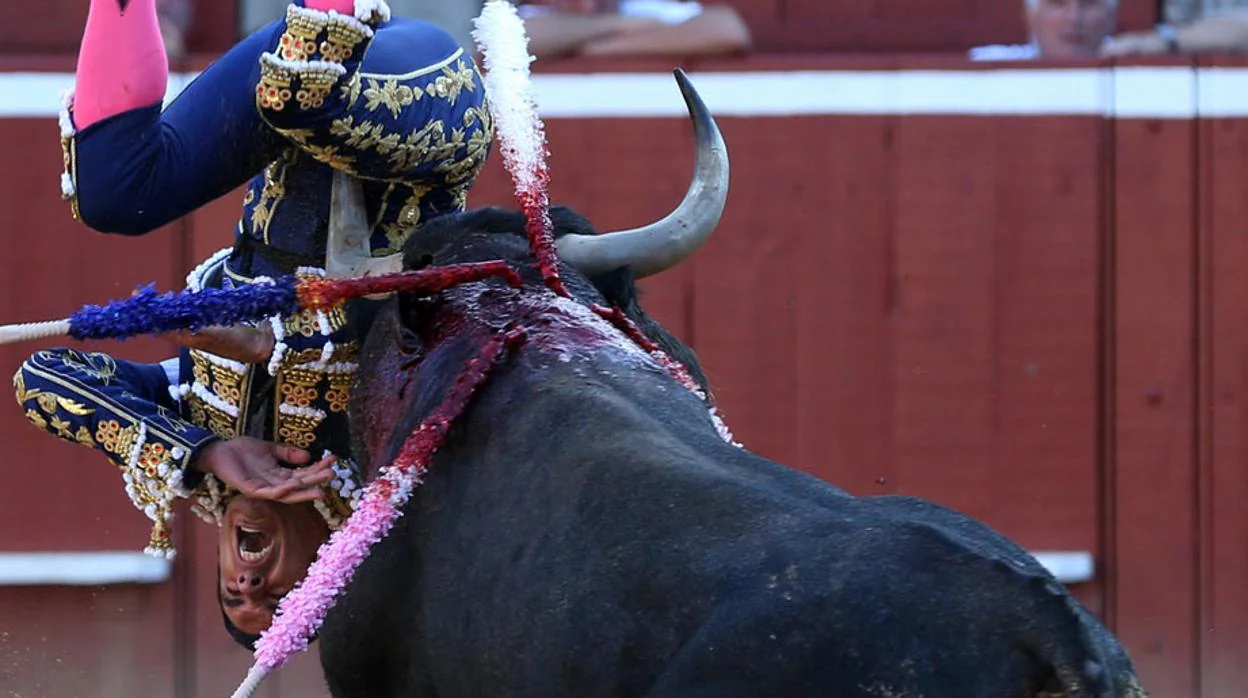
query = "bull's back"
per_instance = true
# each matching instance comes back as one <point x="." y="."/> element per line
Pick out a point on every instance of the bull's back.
<point x="587" y="532"/>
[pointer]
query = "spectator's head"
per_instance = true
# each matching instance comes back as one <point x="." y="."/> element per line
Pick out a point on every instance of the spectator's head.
<point x="1070" y="28"/>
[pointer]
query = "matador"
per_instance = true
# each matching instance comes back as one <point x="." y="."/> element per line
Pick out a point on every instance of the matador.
<point x="258" y="442"/>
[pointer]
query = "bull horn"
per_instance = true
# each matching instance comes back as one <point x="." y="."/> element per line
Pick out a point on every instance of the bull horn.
<point x="665" y="243"/>
<point x="347" y="253"/>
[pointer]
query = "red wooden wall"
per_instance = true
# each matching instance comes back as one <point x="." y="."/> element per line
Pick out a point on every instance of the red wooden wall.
<point x="1040" y="321"/>
<point x="779" y="26"/>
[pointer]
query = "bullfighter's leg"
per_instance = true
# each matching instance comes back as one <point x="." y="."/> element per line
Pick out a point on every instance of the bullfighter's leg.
<point x="123" y="410"/>
<point x="131" y="167"/>
<point x="122" y="63"/>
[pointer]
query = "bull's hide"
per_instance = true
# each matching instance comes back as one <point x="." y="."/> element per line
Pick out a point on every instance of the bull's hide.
<point x="585" y="531"/>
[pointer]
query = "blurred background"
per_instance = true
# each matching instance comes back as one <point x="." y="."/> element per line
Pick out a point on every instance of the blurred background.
<point x="988" y="253"/>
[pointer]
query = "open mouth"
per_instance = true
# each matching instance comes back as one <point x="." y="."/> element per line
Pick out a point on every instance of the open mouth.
<point x="254" y="545"/>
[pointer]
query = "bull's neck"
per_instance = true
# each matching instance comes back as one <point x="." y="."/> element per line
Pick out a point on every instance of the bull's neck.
<point x="561" y="339"/>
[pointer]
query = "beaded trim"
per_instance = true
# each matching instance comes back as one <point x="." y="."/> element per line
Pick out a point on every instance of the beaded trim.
<point x="69" y="155"/>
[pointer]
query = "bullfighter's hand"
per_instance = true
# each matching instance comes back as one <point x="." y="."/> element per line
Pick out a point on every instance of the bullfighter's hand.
<point x="254" y="468"/>
<point x="242" y="343"/>
<point x="249" y="345"/>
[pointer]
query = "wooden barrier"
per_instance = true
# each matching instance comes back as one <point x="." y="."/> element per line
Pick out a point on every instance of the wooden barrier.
<point x="1038" y="319"/>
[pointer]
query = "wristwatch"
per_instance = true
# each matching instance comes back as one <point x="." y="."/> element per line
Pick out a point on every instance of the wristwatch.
<point x="1170" y="36"/>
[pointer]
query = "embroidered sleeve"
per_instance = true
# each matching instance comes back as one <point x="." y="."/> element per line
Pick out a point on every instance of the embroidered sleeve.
<point x="113" y="407"/>
<point x="396" y="101"/>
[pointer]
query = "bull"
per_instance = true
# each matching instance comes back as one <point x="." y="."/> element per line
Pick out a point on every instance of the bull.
<point x="587" y="530"/>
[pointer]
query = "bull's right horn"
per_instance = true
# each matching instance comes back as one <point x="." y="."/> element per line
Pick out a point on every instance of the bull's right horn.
<point x="665" y="243"/>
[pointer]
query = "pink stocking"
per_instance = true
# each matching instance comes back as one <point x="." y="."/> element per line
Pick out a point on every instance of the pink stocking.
<point x="122" y="63"/>
<point x="342" y="7"/>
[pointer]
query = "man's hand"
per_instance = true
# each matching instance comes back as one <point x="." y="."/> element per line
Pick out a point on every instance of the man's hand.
<point x="242" y="343"/>
<point x="1135" y="44"/>
<point x="249" y="345"/>
<point x="253" y="467"/>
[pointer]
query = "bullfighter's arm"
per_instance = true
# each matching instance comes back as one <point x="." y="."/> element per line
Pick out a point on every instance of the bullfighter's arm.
<point x="123" y="410"/>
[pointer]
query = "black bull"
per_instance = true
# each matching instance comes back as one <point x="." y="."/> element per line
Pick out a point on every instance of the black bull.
<point x="586" y="531"/>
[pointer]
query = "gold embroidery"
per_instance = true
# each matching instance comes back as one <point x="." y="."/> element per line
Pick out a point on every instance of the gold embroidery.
<point x="391" y="95"/>
<point x="306" y="323"/>
<point x="409" y="217"/>
<point x="62" y="427"/>
<point x="299" y="40"/>
<point x="298" y="135"/>
<point x="339" y="394"/>
<point x="298" y="430"/>
<point x="452" y="82"/>
<point x="351" y="91"/>
<point x="270" y="196"/>
<point x="315" y="85"/>
<point x="464" y="170"/>
<point x="459" y="197"/>
<point x="37" y="419"/>
<point x="116" y="439"/>
<point x="299" y="386"/>
<point x="161" y="539"/>
<point x="229" y="387"/>
<point x="342" y="36"/>
<point x="75" y="388"/>
<point x="367" y="135"/>
<point x="46" y="401"/>
<point x="273" y="90"/>
<point x="327" y="154"/>
<point x="83" y="436"/>
<point x="339" y="506"/>
<point x="69" y="155"/>
<point x="151" y="457"/>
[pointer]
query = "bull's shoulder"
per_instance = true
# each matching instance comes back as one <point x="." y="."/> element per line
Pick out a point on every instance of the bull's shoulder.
<point x="939" y="529"/>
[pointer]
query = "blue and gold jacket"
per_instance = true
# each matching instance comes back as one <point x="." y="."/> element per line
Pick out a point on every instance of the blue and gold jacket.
<point x="396" y="103"/>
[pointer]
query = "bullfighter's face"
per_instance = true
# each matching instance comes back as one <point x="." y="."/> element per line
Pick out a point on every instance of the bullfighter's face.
<point x="1070" y="28"/>
<point x="263" y="549"/>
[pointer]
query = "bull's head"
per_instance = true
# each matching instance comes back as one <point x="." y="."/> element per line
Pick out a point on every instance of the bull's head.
<point x="645" y="251"/>
<point x="397" y="361"/>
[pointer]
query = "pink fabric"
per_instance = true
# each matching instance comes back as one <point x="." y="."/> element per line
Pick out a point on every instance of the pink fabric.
<point x="342" y="7"/>
<point x="122" y="63"/>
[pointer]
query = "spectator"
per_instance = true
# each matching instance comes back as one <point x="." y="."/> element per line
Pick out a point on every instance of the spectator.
<point x="1062" y="29"/>
<point x="1084" y="29"/>
<point x="1218" y="26"/>
<point x="632" y="28"/>
<point x="574" y="27"/>
<point x="455" y="16"/>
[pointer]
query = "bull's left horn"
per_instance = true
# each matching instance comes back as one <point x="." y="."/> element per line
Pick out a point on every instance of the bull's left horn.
<point x="347" y="254"/>
<point x="665" y="243"/>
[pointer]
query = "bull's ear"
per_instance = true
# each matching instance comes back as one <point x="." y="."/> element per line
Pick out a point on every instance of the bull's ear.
<point x="411" y="311"/>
